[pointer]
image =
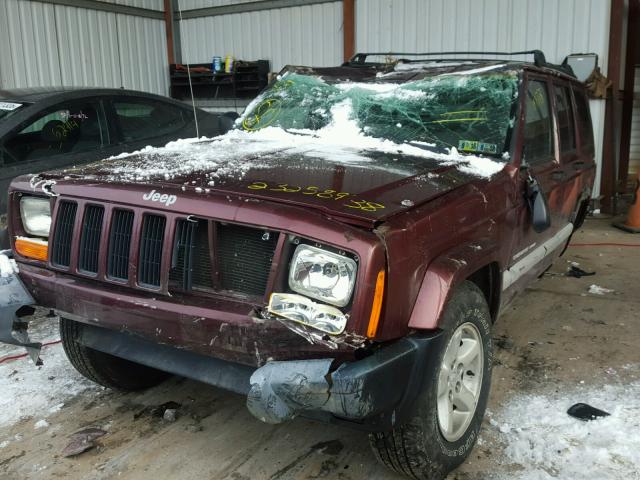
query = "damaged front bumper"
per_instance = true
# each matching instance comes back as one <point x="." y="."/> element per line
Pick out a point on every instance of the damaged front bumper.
<point x="376" y="392"/>
<point x="15" y="303"/>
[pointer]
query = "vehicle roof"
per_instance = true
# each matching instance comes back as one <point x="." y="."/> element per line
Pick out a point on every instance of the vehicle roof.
<point x="36" y="94"/>
<point x="408" y="70"/>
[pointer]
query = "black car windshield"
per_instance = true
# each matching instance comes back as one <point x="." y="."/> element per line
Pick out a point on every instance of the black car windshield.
<point x="471" y="112"/>
<point x="7" y="108"/>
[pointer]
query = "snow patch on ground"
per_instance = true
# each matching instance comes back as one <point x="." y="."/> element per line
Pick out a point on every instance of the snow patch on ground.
<point x="41" y="424"/>
<point x="30" y="391"/>
<point x="542" y="442"/>
<point x="7" y="266"/>
<point x="598" y="290"/>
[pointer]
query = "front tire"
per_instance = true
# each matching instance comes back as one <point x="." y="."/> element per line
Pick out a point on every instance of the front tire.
<point x="451" y="405"/>
<point x="102" y="368"/>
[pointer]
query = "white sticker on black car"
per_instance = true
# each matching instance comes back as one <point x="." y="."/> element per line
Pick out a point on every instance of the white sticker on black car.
<point x="9" y="106"/>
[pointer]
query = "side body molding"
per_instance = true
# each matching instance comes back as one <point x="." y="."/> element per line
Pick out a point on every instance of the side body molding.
<point x="443" y="274"/>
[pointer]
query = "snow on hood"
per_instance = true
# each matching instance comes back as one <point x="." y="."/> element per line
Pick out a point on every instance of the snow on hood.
<point x="234" y="153"/>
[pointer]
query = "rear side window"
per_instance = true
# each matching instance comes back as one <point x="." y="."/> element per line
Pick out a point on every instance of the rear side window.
<point x="142" y="119"/>
<point x="583" y="118"/>
<point x="538" y="129"/>
<point x="67" y="128"/>
<point x="566" y="125"/>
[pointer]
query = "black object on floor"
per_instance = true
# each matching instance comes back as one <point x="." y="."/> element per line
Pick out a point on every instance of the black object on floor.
<point x="585" y="412"/>
<point x="578" y="272"/>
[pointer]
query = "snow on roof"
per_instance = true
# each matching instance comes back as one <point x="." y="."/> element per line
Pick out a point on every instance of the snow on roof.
<point x="475" y="70"/>
<point x="404" y="67"/>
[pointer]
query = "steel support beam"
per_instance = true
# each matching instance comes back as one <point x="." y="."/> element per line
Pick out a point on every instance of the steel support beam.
<point x="108" y="7"/>
<point x="248" y="7"/>
<point x="172" y="28"/>
<point x="632" y="58"/>
<point x="349" y="28"/>
<point x="611" y="140"/>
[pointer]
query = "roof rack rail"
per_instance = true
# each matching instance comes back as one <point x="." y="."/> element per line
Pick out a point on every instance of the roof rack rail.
<point x="539" y="59"/>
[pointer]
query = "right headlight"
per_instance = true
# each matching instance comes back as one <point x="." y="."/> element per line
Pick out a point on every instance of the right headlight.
<point x="36" y="215"/>
<point x="307" y="312"/>
<point x="323" y="275"/>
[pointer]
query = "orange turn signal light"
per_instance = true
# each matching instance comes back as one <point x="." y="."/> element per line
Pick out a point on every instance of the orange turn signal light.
<point x="32" y="248"/>
<point x="376" y="307"/>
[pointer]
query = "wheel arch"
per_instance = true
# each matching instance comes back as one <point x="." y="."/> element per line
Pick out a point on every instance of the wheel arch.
<point x="475" y="262"/>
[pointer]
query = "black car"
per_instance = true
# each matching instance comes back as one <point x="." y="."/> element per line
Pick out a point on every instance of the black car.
<point x="48" y="128"/>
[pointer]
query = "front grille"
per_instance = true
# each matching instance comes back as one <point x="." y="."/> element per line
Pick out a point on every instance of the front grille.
<point x="61" y="248"/>
<point x="191" y="260"/>
<point x="244" y="257"/>
<point x="151" y="250"/>
<point x="120" y="244"/>
<point x="90" y="239"/>
<point x="205" y="255"/>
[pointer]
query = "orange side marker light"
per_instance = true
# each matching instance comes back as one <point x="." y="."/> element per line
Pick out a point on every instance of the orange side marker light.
<point x="376" y="307"/>
<point x="32" y="248"/>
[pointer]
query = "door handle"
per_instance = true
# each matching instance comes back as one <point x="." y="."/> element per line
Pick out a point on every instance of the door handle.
<point x="559" y="175"/>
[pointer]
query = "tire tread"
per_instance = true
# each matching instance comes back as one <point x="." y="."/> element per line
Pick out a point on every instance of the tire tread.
<point x="103" y="369"/>
<point x="404" y="449"/>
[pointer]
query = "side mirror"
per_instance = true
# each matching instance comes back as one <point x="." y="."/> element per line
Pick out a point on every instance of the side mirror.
<point x="538" y="206"/>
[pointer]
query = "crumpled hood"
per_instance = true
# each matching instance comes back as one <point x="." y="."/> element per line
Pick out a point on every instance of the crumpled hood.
<point x="365" y="185"/>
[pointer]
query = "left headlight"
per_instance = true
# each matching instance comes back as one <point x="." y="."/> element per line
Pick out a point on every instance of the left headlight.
<point x="36" y="215"/>
<point x="323" y="275"/>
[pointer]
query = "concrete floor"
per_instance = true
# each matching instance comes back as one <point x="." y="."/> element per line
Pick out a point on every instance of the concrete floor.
<point x="555" y="336"/>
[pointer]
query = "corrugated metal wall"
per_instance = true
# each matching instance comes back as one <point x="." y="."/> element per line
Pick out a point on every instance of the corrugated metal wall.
<point x="43" y="44"/>
<point x="558" y="27"/>
<point x="307" y="35"/>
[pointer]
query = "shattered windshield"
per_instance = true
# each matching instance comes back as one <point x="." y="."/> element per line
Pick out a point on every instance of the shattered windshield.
<point x="472" y="113"/>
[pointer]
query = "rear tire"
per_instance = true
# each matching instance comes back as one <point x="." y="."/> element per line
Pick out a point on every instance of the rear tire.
<point x="102" y="368"/>
<point x="423" y="448"/>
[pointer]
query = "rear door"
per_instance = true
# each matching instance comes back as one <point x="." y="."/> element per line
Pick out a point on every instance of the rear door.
<point x="570" y="158"/>
<point x="580" y="167"/>
<point x="540" y="159"/>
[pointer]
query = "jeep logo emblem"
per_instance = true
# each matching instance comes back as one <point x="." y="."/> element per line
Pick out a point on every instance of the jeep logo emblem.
<point x="154" y="196"/>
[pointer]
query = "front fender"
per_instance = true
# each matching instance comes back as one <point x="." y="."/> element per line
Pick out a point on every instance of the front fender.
<point x="13" y="297"/>
<point x="442" y="276"/>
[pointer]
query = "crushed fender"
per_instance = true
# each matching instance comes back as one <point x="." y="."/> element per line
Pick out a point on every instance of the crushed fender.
<point x="14" y="300"/>
<point x="315" y="337"/>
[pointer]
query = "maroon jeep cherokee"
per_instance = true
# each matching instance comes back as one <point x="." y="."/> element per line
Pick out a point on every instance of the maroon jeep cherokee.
<point x="341" y="254"/>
